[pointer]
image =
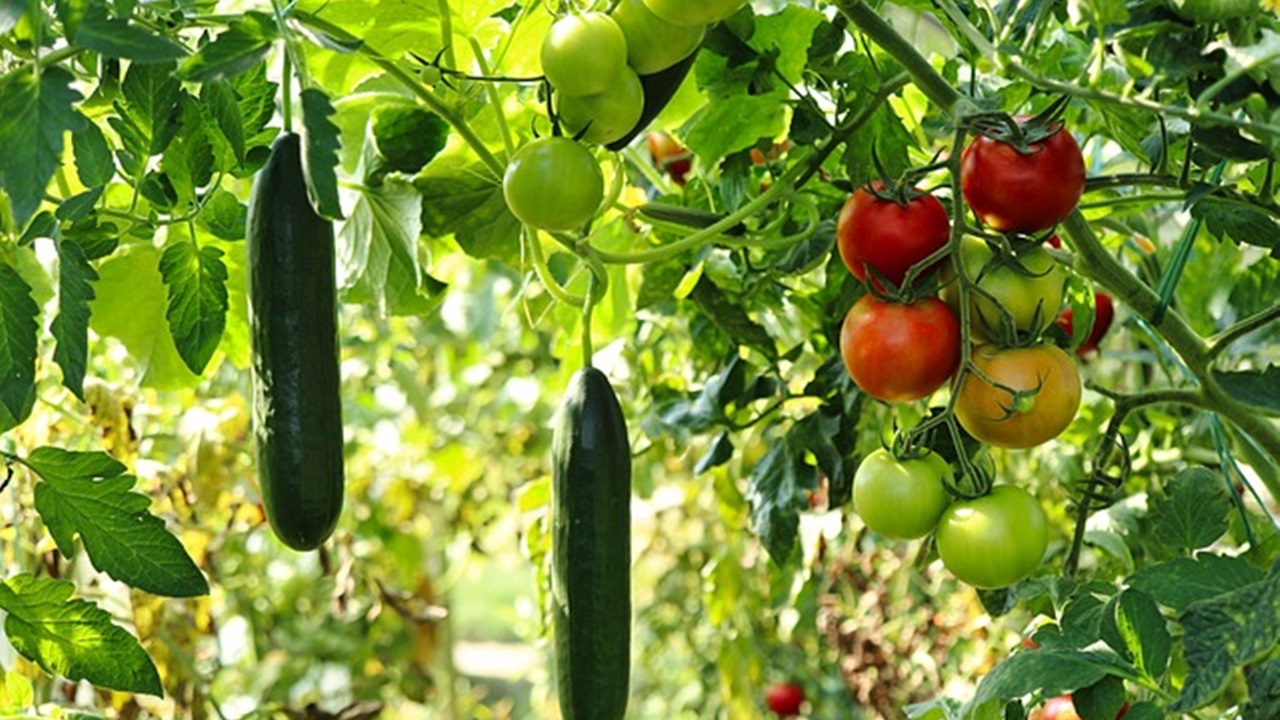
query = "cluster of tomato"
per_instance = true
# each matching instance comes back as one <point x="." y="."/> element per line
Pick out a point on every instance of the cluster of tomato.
<point x="598" y="66"/>
<point x="901" y="344"/>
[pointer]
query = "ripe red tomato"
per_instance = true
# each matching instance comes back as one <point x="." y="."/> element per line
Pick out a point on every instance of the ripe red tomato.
<point x="1015" y="192"/>
<point x="995" y="540"/>
<point x="901" y="498"/>
<point x="784" y="699"/>
<point x="1104" y="313"/>
<point x="670" y="155"/>
<point x="887" y="236"/>
<point x="1063" y="708"/>
<point x="995" y="416"/>
<point x="898" y="353"/>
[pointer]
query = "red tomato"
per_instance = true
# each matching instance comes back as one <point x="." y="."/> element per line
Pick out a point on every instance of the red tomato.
<point x="1104" y="312"/>
<point x="670" y="155"/>
<point x="898" y="353"/>
<point x="784" y="699"/>
<point x="887" y="236"/>
<point x="1015" y="192"/>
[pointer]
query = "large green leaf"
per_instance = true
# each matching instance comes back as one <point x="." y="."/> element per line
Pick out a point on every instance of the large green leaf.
<point x="71" y="327"/>
<point x="35" y="113"/>
<point x="197" y="281"/>
<point x="19" y="330"/>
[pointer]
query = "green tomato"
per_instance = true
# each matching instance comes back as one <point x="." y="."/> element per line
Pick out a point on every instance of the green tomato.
<point x="995" y="540"/>
<point x="901" y="499"/>
<point x="1031" y="298"/>
<point x="653" y="44"/>
<point x="583" y="54"/>
<point x="693" y="12"/>
<point x="554" y="184"/>
<point x="607" y="116"/>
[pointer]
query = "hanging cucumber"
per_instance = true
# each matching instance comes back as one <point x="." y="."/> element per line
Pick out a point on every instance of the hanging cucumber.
<point x="297" y="409"/>
<point x="591" y="550"/>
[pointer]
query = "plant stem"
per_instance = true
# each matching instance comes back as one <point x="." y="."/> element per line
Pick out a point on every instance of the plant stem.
<point x="1222" y="340"/>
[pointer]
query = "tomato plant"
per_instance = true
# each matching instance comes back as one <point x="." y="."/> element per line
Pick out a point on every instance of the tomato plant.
<point x="1027" y="190"/>
<point x="584" y="54"/>
<point x="897" y="352"/>
<point x="1104" y="313"/>
<point x="901" y="498"/>
<point x="693" y="13"/>
<point x="784" y="699"/>
<point x="995" y="540"/>
<point x="555" y="164"/>
<point x="1025" y="288"/>
<point x="1019" y="397"/>
<point x="654" y="44"/>
<point x="606" y="116"/>
<point x="887" y="235"/>
<point x="1063" y="707"/>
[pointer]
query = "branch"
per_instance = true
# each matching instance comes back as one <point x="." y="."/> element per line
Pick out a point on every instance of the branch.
<point x="1222" y="340"/>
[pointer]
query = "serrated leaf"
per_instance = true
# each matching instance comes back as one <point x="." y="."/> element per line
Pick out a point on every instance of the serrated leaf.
<point x="220" y="102"/>
<point x="188" y="162"/>
<point x="71" y="327"/>
<point x="1193" y="510"/>
<point x="43" y="225"/>
<point x="720" y="452"/>
<point x="464" y="200"/>
<point x="73" y="638"/>
<point x="1141" y="631"/>
<point x="118" y="38"/>
<point x="35" y="113"/>
<point x="197" y="314"/>
<point x="147" y="117"/>
<point x="1259" y="389"/>
<point x="775" y="490"/>
<point x="658" y="282"/>
<point x="1180" y="582"/>
<point x="1050" y="671"/>
<point x="1238" y="222"/>
<point x="224" y="216"/>
<point x="85" y="494"/>
<point x="320" y="145"/>
<point x="731" y="318"/>
<point x="78" y="207"/>
<point x="19" y="333"/>
<point x="378" y="248"/>
<point x="1264" y="692"/>
<point x="94" y="163"/>
<point x="240" y="47"/>
<point x="1225" y="633"/>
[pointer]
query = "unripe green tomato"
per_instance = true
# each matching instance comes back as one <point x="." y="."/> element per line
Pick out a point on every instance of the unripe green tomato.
<point x="901" y="499"/>
<point x="693" y="12"/>
<point x="653" y="44"/>
<point x="1032" y="300"/>
<point x="606" y="116"/>
<point x="995" y="540"/>
<point x="553" y="183"/>
<point x="583" y="54"/>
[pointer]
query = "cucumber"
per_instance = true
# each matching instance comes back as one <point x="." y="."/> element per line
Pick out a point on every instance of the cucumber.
<point x="297" y="408"/>
<point x="591" y="551"/>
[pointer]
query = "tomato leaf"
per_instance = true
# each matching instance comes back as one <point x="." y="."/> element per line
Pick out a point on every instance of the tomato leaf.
<point x="378" y="250"/>
<point x="1101" y="700"/>
<point x="1242" y="224"/>
<point x="1264" y="692"/>
<point x="19" y="332"/>
<point x="35" y="113"/>
<point x="1051" y="671"/>
<point x="71" y="326"/>
<point x="1225" y="632"/>
<point x="94" y="163"/>
<point x="73" y="638"/>
<point x="147" y="118"/>
<point x="1133" y="626"/>
<point x="320" y="145"/>
<point x="463" y="200"/>
<point x="720" y="452"/>
<point x="1260" y="389"/>
<point x="87" y="494"/>
<point x="242" y="46"/>
<point x="196" y="279"/>
<point x="775" y="490"/>
<point x="1192" y="511"/>
<point x="118" y="38"/>
<point x="1180" y="582"/>
<point x="731" y="318"/>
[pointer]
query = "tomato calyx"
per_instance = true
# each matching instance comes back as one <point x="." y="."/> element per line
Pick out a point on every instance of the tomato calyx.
<point x="1022" y="134"/>
<point x="1009" y="252"/>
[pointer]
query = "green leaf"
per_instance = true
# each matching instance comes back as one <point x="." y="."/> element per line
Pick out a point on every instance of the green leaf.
<point x="11" y="11"/>
<point x="735" y="123"/>
<point x="73" y="638"/>
<point x="19" y="333"/>
<point x="130" y="306"/>
<point x="224" y="216"/>
<point x="659" y="282"/>
<point x="1146" y="711"/>
<point x="731" y="318"/>
<point x="147" y="118"/>
<point x="943" y="708"/>
<point x="71" y="326"/>
<point x="776" y="491"/>
<point x="320" y="146"/>
<point x="43" y="225"/>
<point x="79" y="206"/>
<point x="188" y="162"/>
<point x="223" y="107"/>
<point x="1180" y="582"/>
<point x="71" y="13"/>
<point x="117" y="38"/>
<point x="407" y="137"/>
<point x="197" y="282"/>
<point x="16" y="693"/>
<point x="462" y="199"/>
<point x="1134" y="627"/>
<point x="720" y="452"/>
<point x="35" y="113"/>
<point x="378" y="249"/>
<point x="1050" y="671"/>
<point x="1192" y="511"/>
<point x="1224" y="633"/>
<point x="94" y="163"/>
<point x="242" y="46"/>
<point x="1101" y="700"/>
<point x="1264" y="692"/>
<point x="1259" y="389"/>
<point x="1238" y="222"/>
<point x="86" y="494"/>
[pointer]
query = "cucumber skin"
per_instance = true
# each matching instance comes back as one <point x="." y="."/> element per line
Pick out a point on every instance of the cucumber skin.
<point x="591" y="551"/>
<point x="297" y="406"/>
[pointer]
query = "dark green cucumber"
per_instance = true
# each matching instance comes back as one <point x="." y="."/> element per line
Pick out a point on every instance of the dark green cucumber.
<point x="659" y="88"/>
<point x="297" y="408"/>
<point x="591" y="551"/>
